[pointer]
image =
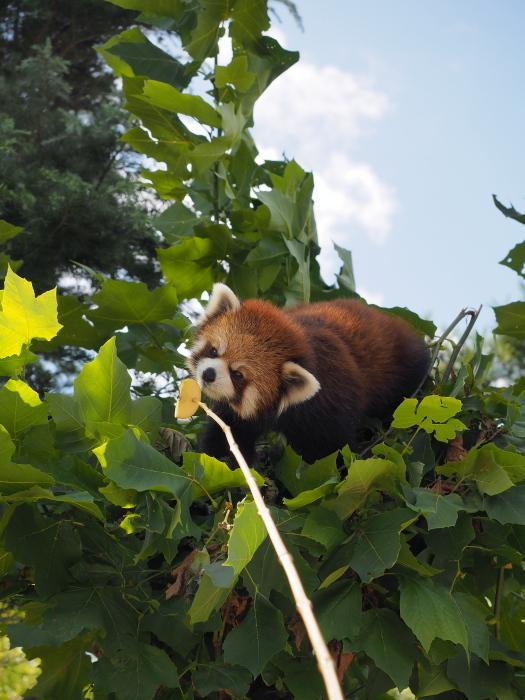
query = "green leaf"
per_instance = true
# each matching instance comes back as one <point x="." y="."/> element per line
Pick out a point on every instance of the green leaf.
<point x="516" y="258"/>
<point x="24" y="316"/>
<point x="134" y="464"/>
<point x="286" y="470"/>
<point x="389" y="642"/>
<point x="431" y="415"/>
<point x="136" y="672"/>
<point x="439" y="511"/>
<point x="324" y="526"/>
<point x="345" y="278"/>
<point x="144" y="58"/>
<point x="235" y="73"/>
<point x="168" y="97"/>
<point x="511" y="319"/>
<point x="449" y="542"/>
<point x="434" y="681"/>
<point x="264" y="573"/>
<point x="210" y="596"/>
<point x="307" y="497"/>
<point x="75" y="329"/>
<point x="509" y="211"/>
<point x="507" y="507"/>
<point x="204" y="37"/>
<point x="85" y="607"/>
<point x="8" y="231"/>
<point x="122" y="303"/>
<point x="430" y="611"/>
<point x="177" y="221"/>
<point x="71" y="434"/>
<point x="338" y="610"/>
<point x="474" y="615"/>
<point x="206" y="154"/>
<point x="188" y="266"/>
<point x="175" y="154"/>
<point x="50" y="545"/>
<point x="17" y="477"/>
<point x="248" y="533"/>
<point x="218" y="675"/>
<point x="65" y="669"/>
<point x="102" y="388"/>
<point x="258" y="638"/>
<point x="408" y="560"/>
<point x="379" y="543"/>
<point x="20" y="408"/>
<point x="81" y="500"/>
<point x="364" y="477"/>
<point x="319" y="473"/>
<point x="478" y="680"/>
<point x="13" y="364"/>
<point x="487" y="466"/>
<point x="216" y="475"/>
<point x="281" y="211"/>
<point x="250" y="20"/>
<point x="419" y="324"/>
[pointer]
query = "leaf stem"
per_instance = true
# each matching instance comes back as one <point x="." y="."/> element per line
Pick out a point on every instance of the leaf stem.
<point x="411" y="440"/>
<point x="497" y="601"/>
<point x="473" y="318"/>
<point x="303" y="603"/>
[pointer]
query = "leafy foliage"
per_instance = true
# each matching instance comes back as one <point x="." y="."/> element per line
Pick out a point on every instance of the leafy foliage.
<point x="118" y="540"/>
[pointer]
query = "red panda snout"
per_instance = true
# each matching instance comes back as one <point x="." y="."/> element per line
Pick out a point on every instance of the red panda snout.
<point x="213" y="377"/>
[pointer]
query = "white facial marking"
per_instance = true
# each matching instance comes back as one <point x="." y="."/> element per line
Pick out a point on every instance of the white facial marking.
<point x="198" y="346"/>
<point x="250" y="402"/>
<point x="221" y="387"/>
<point x="222" y="345"/>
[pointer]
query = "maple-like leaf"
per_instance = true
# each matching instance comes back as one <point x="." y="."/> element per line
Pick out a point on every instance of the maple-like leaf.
<point x="24" y="316"/>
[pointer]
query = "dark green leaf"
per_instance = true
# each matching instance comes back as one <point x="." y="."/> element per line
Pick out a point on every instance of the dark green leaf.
<point x="509" y="211"/>
<point x="379" y="543"/>
<point x="136" y="672"/>
<point x="389" y="642"/>
<point x="511" y="319"/>
<point x="122" y="303"/>
<point x="218" y="675"/>
<point x="478" y="680"/>
<point x="430" y="611"/>
<point x="51" y="546"/>
<point x="338" y="610"/>
<point x="449" y="542"/>
<point x="260" y="636"/>
<point x="516" y="258"/>
<point x="65" y="669"/>
<point x="507" y="507"/>
<point x="439" y="511"/>
<point x="134" y="464"/>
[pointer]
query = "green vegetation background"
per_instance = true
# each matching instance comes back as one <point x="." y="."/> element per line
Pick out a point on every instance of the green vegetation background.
<point x="141" y="567"/>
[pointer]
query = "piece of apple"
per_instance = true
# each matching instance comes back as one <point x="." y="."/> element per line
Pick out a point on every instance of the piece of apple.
<point x="189" y="397"/>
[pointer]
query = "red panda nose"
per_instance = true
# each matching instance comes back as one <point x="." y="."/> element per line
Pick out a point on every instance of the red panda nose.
<point x="209" y="375"/>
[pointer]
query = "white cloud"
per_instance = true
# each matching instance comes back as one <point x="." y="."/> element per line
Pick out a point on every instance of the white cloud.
<point x="315" y="115"/>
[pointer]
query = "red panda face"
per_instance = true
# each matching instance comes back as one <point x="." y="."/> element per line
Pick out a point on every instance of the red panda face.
<point x="245" y="354"/>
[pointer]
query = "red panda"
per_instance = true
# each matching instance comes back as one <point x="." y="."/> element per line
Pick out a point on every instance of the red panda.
<point x="311" y="372"/>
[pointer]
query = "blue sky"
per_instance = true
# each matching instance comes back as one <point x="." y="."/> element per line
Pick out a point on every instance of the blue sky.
<point x="411" y="115"/>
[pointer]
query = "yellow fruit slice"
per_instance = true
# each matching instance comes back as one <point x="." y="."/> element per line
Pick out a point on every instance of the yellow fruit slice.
<point x="190" y="395"/>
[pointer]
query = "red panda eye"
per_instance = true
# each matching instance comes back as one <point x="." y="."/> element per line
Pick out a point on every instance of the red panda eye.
<point x="236" y="374"/>
<point x="213" y="352"/>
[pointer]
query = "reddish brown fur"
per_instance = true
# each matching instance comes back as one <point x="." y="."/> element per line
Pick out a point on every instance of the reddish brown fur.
<point x="365" y="361"/>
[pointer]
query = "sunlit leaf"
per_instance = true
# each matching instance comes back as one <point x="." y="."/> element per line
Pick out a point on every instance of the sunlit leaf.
<point x="24" y="316"/>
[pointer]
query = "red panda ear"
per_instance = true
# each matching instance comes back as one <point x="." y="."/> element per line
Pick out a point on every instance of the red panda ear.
<point x="300" y="385"/>
<point x="221" y="299"/>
